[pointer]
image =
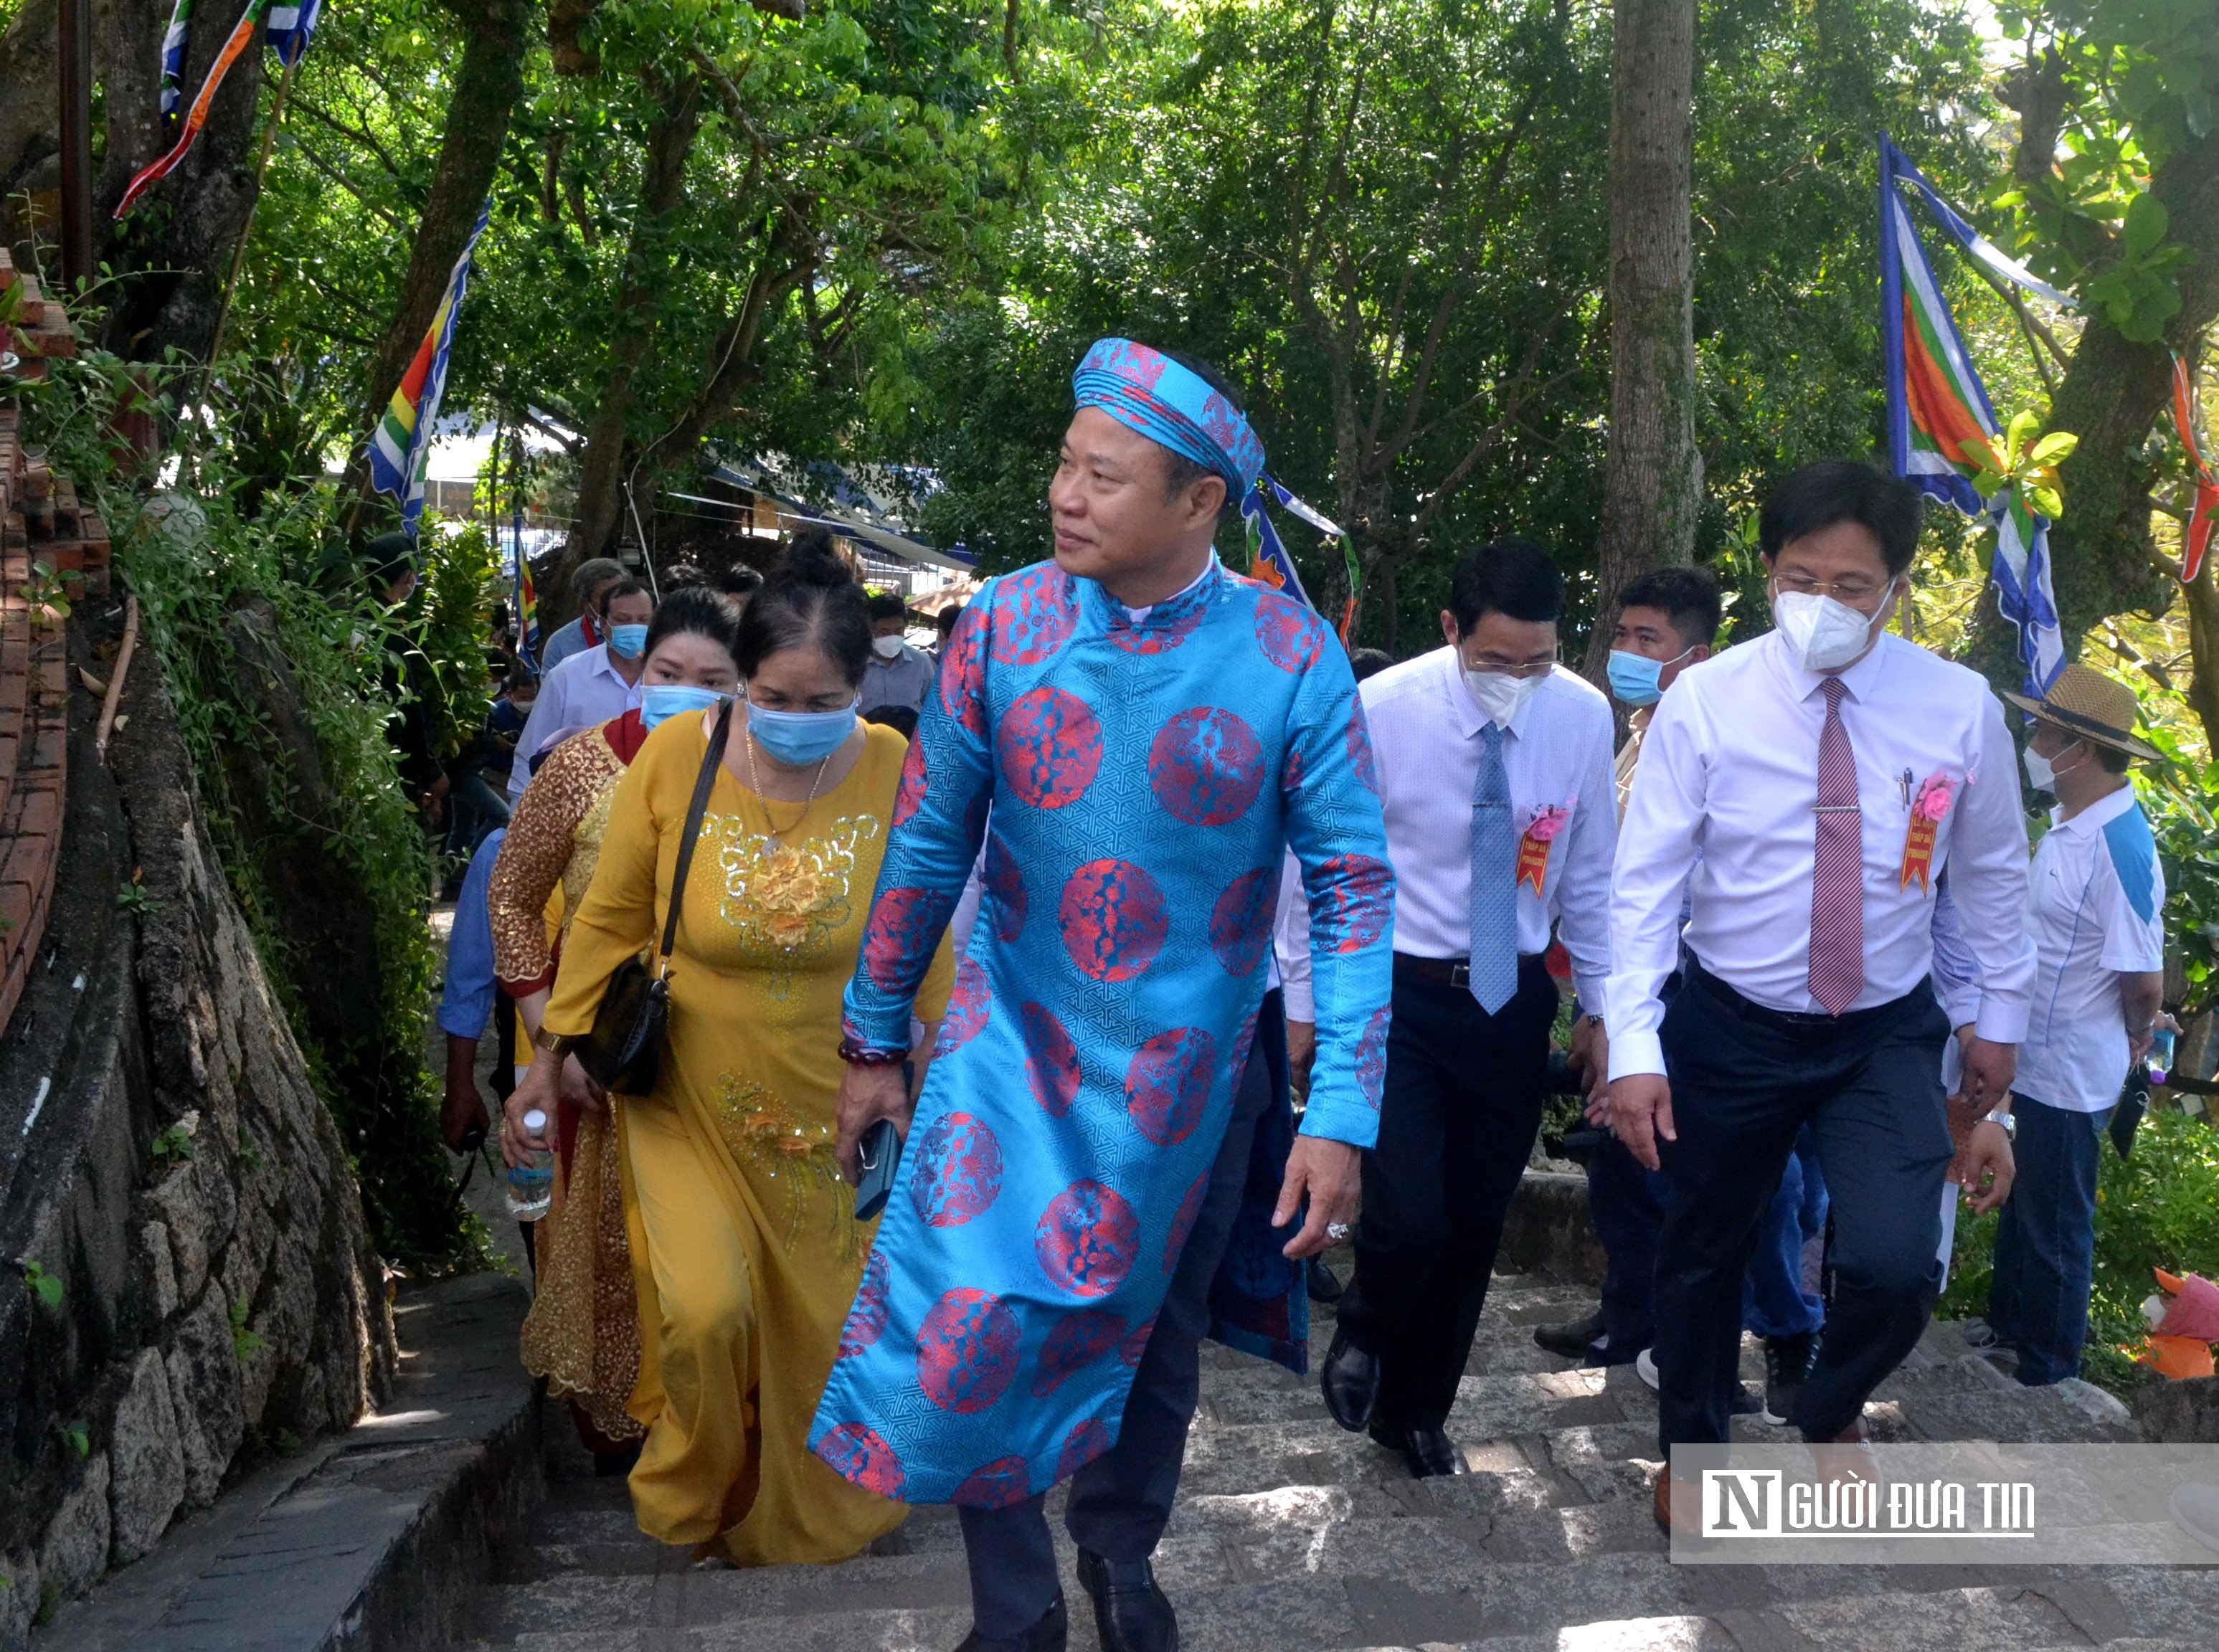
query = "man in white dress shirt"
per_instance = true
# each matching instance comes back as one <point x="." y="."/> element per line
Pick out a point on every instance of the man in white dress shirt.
<point x="1807" y="788"/>
<point x="1494" y="771"/>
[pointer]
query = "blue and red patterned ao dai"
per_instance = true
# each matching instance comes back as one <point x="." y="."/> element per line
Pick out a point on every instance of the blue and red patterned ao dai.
<point x="1145" y="781"/>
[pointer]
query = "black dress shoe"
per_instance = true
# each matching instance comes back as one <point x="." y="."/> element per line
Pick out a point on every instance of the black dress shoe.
<point x="1349" y="1379"/>
<point x="1050" y="1634"/>
<point x="1429" y="1452"/>
<point x="1131" y="1613"/>
<point x="1573" y="1341"/>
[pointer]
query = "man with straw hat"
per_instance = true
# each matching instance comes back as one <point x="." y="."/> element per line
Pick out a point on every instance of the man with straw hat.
<point x="2095" y="902"/>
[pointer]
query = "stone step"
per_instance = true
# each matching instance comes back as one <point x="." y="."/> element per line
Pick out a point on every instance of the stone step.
<point x="1601" y="1607"/>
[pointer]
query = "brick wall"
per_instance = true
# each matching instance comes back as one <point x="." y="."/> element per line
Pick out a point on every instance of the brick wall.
<point x="50" y="547"/>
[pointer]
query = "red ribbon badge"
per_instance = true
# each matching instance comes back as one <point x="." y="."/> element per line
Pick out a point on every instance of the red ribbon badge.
<point x="1533" y="847"/>
<point x="1934" y="796"/>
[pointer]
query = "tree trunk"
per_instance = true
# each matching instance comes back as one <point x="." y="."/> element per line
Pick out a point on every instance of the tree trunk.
<point x="486" y="87"/>
<point x="632" y="333"/>
<point x="1653" y="476"/>
<point x="2203" y="651"/>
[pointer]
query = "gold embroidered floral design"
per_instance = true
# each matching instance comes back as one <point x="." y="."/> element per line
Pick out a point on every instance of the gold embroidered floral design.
<point x="788" y="899"/>
<point x="801" y="1154"/>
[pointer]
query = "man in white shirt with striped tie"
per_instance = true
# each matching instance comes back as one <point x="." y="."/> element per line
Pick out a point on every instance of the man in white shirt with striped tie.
<point x="1808" y="787"/>
<point x="1495" y="775"/>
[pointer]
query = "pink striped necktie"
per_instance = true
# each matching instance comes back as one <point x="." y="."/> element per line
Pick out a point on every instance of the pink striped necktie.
<point x="1837" y="871"/>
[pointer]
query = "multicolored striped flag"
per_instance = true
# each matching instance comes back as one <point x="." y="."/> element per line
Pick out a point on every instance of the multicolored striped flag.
<point x="176" y="40"/>
<point x="527" y="598"/>
<point x="242" y="36"/>
<point x="2204" y="512"/>
<point x="1936" y="404"/>
<point x="403" y="442"/>
<point x="1268" y="560"/>
<point x="291" y="22"/>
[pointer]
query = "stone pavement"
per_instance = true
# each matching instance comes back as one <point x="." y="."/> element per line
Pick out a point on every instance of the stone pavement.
<point x="1292" y="1536"/>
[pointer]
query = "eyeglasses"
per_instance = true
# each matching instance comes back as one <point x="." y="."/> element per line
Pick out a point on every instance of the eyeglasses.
<point x="1514" y="667"/>
<point x="1852" y="591"/>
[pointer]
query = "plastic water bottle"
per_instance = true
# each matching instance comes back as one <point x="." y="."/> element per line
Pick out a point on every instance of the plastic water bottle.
<point x="531" y="1179"/>
<point x="2160" y="1054"/>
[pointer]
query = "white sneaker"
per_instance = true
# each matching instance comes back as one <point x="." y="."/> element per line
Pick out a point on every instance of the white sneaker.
<point x="1645" y="1367"/>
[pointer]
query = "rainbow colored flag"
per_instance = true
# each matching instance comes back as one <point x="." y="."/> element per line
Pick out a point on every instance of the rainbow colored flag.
<point x="527" y="601"/>
<point x="1936" y="404"/>
<point x="1268" y="561"/>
<point x="402" y="441"/>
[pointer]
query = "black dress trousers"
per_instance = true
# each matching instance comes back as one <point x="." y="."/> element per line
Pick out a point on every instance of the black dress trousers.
<point x="1458" y="1118"/>
<point x="1745" y="1080"/>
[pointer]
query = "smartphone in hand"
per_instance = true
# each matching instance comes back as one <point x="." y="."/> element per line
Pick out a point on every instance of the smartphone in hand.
<point x="881" y="1149"/>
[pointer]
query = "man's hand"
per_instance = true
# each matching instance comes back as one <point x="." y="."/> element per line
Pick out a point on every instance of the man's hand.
<point x="1302" y="1056"/>
<point x="1641" y="1114"/>
<point x="1332" y="1174"/>
<point x="868" y="1094"/>
<point x="1989" y="1070"/>
<point x="1989" y="1168"/>
<point x="462" y="1122"/>
<point x="1589" y="1056"/>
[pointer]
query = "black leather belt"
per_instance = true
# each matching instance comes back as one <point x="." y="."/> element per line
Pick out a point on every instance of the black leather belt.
<point x="1452" y="971"/>
<point x="1796" y="1021"/>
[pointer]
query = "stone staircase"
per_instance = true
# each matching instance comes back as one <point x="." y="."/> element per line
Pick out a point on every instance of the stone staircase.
<point x="1292" y="1536"/>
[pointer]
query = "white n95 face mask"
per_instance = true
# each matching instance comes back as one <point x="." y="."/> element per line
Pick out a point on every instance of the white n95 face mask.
<point x="1824" y="634"/>
<point x="1498" y="695"/>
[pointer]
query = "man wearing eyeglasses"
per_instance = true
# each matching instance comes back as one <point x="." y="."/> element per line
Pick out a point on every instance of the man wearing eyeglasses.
<point x="1807" y="790"/>
<point x="1494" y="773"/>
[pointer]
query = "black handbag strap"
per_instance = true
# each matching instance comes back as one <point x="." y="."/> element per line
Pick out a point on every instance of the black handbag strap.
<point x="711" y="761"/>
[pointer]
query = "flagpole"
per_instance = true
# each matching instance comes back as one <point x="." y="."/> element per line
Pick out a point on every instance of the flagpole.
<point x="239" y="253"/>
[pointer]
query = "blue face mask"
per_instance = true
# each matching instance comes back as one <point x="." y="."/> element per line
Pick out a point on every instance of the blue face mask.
<point x="1634" y="678"/>
<point x="627" y="642"/>
<point x="799" y="738"/>
<point x="660" y="702"/>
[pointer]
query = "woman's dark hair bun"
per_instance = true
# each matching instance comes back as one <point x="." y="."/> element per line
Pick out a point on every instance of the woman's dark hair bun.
<point x="809" y="559"/>
<point x="810" y="598"/>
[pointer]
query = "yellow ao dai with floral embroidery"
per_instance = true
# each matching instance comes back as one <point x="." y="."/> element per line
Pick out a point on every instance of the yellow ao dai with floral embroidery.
<point x="744" y="1245"/>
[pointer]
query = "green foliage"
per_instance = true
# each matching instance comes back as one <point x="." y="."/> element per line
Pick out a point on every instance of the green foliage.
<point x="2153" y="1210"/>
<point x="245" y="1343"/>
<point x="448" y="620"/>
<point x="77" y="1437"/>
<point x="44" y="1285"/>
<point x="2138" y="81"/>
<point x="174" y="1145"/>
<point x="2179" y="799"/>
<point x="192" y="555"/>
<point x="135" y="899"/>
<point x="248" y="1154"/>
<point x="1438" y="161"/>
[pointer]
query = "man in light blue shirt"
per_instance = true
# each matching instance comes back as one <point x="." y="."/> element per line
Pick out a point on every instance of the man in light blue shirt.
<point x="589" y="588"/>
<point x="590" y="687"/>
<point x="468" y="1000"/>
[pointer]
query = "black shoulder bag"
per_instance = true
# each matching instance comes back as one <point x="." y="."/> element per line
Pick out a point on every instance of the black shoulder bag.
<point x="623" y="1052"/>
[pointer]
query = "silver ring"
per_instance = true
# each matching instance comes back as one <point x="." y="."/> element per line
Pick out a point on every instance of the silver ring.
<point x="1336" y="1230"/>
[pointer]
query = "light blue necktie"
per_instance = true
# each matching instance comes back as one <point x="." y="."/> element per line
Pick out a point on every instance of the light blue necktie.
<point x="1494" y="879"/>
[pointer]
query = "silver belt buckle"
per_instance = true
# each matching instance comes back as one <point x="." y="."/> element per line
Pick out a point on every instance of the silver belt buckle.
<point x="1460" y="975"/>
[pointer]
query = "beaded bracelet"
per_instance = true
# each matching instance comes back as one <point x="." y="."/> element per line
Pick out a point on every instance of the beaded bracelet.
<point x="856" y="1054"/>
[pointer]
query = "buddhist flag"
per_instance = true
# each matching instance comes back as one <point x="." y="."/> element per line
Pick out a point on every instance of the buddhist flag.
<point x="402" y="441"/>
<point x="2204" y="512"/>
<point x="242" y="36"/>
<point x="527" y="602"/>
<point x="1268" y="561"/>
<point x="176" y="40"/>
<point x="1935" y="404"/>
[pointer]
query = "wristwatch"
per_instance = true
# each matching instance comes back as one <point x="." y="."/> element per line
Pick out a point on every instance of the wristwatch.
<point x="553" y="1043"/>
<point x="2010" y="1125"/>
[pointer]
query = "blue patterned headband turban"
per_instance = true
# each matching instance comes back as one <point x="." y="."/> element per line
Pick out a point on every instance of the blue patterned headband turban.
<point x="1146" y="391"/>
